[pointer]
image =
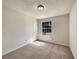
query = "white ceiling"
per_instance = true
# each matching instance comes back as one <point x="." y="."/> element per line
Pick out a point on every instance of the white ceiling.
<point x="52" y="7"/>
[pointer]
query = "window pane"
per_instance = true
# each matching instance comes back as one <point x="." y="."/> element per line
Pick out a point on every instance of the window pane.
<point x="46" y="27"/>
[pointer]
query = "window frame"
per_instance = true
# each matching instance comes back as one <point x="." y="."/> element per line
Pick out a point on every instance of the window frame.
<point x="46" y="27"/>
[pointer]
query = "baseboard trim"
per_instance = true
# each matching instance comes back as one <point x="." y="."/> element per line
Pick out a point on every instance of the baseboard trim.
<point x="72" y="52"/>
<point x="15" y="48"/>
<point x="51" y="43"/>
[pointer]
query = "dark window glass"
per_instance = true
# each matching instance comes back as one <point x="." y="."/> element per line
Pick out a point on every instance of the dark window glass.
<point x="46" y="27"/>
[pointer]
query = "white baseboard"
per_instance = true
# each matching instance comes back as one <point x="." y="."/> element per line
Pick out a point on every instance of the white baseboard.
<point x="72" y="52"/>
<point x="15" y="48"/>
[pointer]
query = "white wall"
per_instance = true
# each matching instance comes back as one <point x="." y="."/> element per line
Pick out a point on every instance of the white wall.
<point x="60" y="32"/>
<point x="18" y="30"/>
<point x="73" y="30"/>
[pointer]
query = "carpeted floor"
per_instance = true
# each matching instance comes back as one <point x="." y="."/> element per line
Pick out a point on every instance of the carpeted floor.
<point x="40" y="50"/>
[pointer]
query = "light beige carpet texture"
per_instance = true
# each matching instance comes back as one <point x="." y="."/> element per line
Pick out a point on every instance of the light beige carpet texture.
<point x="40" y="50"/>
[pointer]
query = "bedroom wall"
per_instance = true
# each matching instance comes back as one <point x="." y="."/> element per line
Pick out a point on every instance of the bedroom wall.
<point x="60" y="31"/>
<point x="18" y="30"/>
<point x="73" y="31"/>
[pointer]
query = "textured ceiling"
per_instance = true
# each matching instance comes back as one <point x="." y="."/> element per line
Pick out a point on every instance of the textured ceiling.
<point x="52" y="7"/>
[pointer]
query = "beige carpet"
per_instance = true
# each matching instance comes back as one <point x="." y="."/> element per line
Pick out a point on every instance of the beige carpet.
<point x="40" y="50"/>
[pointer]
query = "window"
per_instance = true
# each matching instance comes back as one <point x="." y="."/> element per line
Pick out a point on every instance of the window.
<point x="46" y="27"/>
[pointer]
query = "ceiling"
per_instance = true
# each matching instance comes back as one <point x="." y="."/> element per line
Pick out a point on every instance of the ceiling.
<point x="51" y="7"/>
